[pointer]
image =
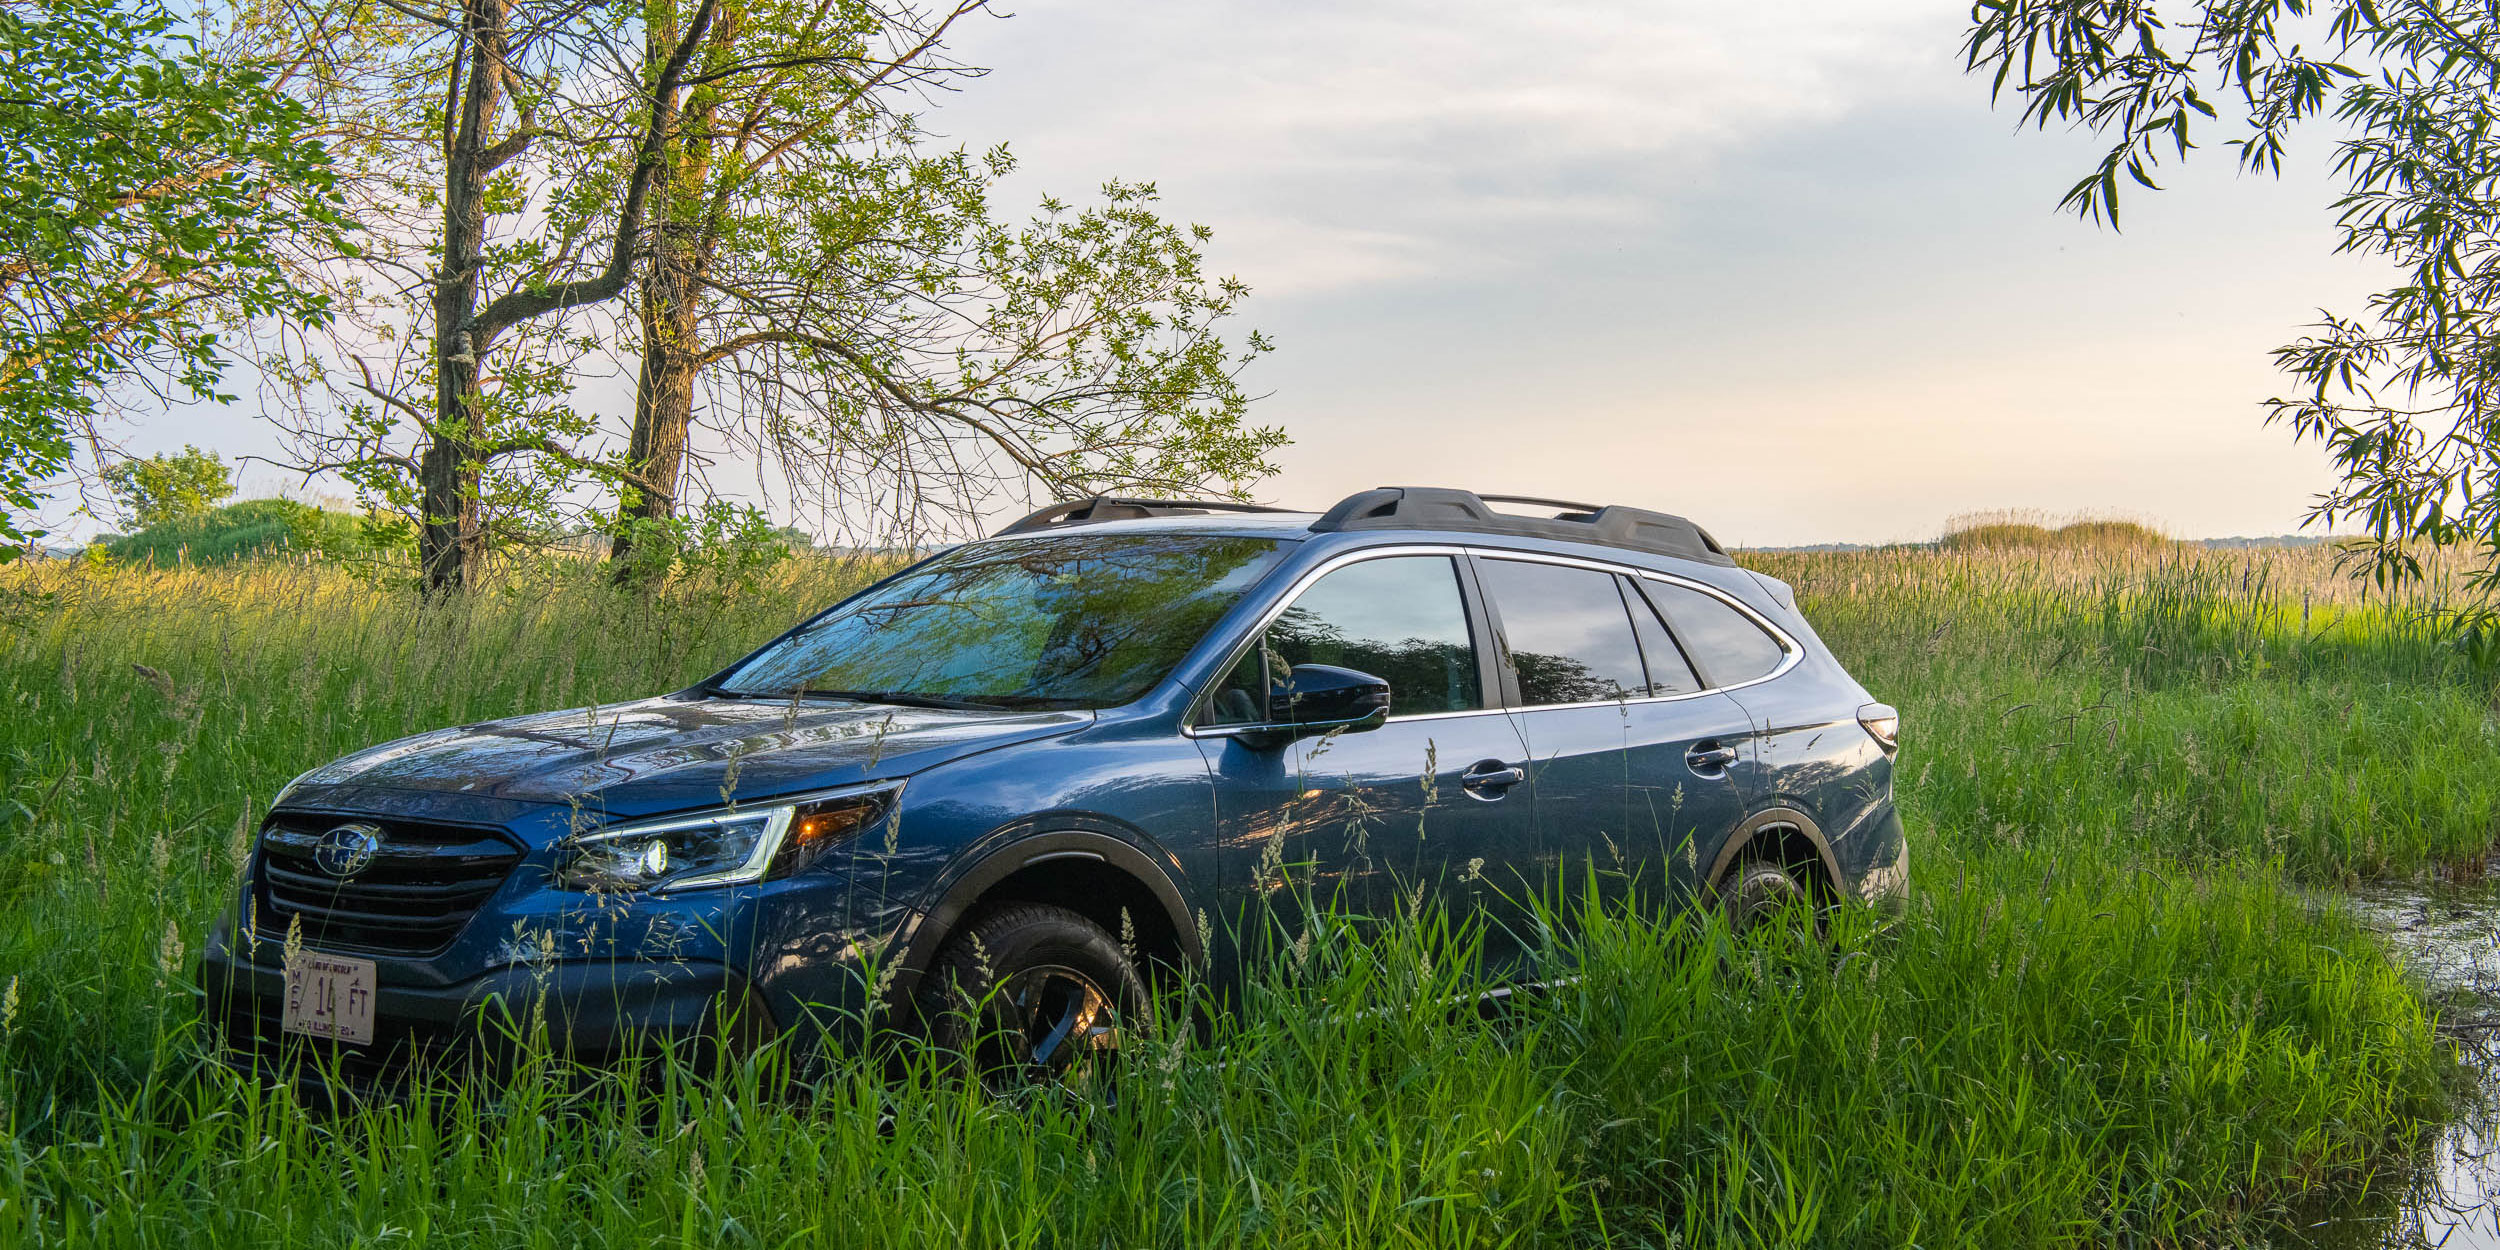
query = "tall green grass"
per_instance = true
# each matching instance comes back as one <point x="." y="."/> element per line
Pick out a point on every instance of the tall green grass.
<point x="2247" y="708"/>
<point x="2125" y="1057"/>
<point x="2113" y="1012"/>
<point x="151" y="713"/>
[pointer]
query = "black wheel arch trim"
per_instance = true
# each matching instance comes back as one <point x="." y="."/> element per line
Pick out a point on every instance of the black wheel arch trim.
<point x="1010" y="848"/>
<point x="1769" y="820"/>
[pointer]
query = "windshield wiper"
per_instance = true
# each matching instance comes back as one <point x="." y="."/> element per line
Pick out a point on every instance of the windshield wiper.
<point x="904" y="698"/>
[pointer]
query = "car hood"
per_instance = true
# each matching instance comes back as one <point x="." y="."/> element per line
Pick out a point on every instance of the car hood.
<point x="675" y="752"/>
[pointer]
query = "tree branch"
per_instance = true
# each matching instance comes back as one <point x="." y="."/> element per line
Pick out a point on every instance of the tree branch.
<point x="957" y="408"/>
<point x="545" y="446"/>
<point x="796" y="62"/>
<point x="370" y="388"/>
<point x="514" y="307"/>
<point x="415" y="15"/>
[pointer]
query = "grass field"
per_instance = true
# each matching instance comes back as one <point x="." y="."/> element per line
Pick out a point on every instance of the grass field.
<point x="2123" y="1006"/>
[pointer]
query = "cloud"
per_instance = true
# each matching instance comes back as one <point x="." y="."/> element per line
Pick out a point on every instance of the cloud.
<point x="1774" y="265"/>
<point x="1335" y="145"/>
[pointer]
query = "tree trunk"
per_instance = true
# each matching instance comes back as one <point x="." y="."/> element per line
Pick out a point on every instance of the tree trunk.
<point x="663" y="401"/>
<point x="672" y="305"/>
<point x="451" y="541"/>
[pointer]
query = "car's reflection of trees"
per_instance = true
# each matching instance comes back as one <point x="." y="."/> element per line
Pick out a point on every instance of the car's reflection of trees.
<point x="1072" y="621"/>
<point x="1424" y="675"/>
<point x="1563" y="679"/>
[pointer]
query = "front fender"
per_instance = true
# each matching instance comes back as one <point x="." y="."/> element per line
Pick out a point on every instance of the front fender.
<point x="1044" y="838"/>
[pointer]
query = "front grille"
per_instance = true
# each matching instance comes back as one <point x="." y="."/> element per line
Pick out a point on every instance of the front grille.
<point x="420" y="888"/>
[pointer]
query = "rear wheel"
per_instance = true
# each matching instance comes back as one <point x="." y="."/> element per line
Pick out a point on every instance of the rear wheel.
<point x="1032" y="993"/>
<point x="1758" y="893"/>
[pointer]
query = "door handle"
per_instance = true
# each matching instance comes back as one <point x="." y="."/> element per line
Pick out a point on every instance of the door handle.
<point x="1710" y="757"/>
<point x="1491" y="776"/>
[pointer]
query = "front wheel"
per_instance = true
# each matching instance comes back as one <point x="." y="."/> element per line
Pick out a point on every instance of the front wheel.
<point x="1032" y="993"/>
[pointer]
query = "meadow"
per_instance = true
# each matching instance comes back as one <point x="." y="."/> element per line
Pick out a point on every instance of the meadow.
<point x="2124" y="1007"/>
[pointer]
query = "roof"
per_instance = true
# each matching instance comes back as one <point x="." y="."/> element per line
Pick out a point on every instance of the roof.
<point x="1430" y="509"/>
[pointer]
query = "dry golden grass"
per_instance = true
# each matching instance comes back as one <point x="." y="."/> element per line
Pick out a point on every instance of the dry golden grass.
<point x="2019" y="529"/>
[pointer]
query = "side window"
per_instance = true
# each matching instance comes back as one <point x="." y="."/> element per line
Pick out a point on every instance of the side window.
<point x="1398" y="618"/>
<point x="1668" y="671"/>
<point x="1569" y="635"/>
<point x="1728" y="647"/>
<point x="1241" y="698"/>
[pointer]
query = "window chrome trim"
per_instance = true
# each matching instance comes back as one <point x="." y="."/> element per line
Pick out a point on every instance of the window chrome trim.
<point x="1792" y="652"/>
<point x="1235" y="731"/>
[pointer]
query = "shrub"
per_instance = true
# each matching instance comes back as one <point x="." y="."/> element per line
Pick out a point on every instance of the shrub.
<point x="243" y="531"/>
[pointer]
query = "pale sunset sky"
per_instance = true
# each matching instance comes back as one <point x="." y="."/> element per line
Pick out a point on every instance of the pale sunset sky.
<point x="1780" y="268"/>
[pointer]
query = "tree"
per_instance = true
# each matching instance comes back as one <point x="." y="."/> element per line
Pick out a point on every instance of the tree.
<point x="548" y="125"/>
<point x="854" y="315"/>
<point x="731" y="147"/>
<point x="2405" y="394"/>
<point x="472" y="113"/>
<point x="490" y="119"/>
<point x="145" y="191"/>
<point x="807" y="273"/>
<point x="244" y="531"/>
<point x="164" y="488"/>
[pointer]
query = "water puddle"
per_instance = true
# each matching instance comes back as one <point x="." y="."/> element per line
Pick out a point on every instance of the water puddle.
<point x="2451" y="1198"/>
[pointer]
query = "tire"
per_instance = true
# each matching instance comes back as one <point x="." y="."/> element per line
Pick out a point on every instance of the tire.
<point x="1032" y="993"/>
<point x="1758" y="892"/>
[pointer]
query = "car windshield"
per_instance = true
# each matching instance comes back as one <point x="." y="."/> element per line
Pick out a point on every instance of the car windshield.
<point x="1062" y="621"/>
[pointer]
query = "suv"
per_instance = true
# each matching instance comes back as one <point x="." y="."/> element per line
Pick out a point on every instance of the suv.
<point x="1032" y="770"/>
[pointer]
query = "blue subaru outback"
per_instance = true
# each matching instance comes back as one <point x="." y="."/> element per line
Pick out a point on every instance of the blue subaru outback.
<point x="1010" y="785"/>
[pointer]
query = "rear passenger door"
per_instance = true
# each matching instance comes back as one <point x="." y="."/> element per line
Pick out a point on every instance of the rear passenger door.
<point x="1637" y="768"/>
<point x="1810" y="752"/>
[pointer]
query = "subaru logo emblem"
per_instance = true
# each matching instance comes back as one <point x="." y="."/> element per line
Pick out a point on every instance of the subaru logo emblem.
<point x="347" y="850"/>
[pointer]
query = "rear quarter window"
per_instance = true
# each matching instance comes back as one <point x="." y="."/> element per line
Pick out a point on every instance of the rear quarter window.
<point x="1723" y="642"/>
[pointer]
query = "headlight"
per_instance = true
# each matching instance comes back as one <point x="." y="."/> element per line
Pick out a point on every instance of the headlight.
<point x="726" y="847"/>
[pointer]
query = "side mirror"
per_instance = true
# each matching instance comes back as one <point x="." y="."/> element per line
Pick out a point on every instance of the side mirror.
<point x="1316" y="698"/>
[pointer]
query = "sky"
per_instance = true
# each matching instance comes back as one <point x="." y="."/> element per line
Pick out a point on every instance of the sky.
<point x="1779" y="268"/>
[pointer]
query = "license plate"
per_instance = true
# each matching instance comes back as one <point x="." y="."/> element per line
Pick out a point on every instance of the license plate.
<point x="329" y="996"/>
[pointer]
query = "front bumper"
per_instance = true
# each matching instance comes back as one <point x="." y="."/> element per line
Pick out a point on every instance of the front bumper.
<point x="583" y="1009"/>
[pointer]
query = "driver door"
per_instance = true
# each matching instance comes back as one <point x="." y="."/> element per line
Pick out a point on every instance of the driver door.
<point x="1428" y="809"/>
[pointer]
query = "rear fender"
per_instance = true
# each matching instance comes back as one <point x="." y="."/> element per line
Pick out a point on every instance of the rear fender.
<point x="1775" y="826"/>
